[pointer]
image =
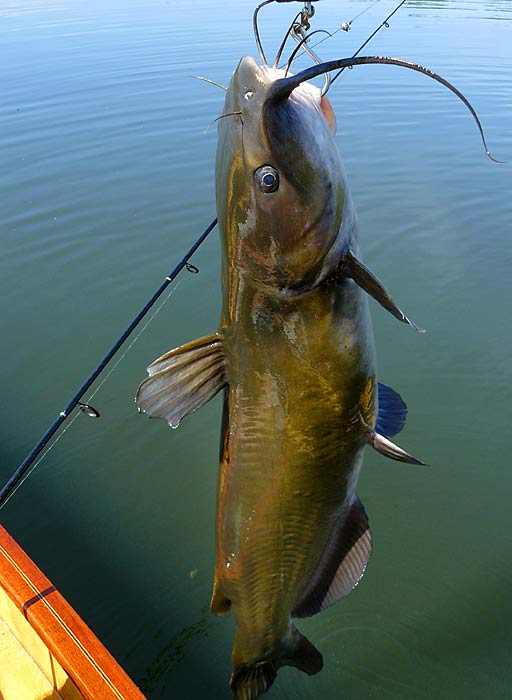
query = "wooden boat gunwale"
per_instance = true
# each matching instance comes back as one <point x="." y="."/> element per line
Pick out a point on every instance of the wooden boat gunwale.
<point x="31" y="605"/>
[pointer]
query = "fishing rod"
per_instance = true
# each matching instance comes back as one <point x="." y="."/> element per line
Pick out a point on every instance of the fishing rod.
<point x="385" y="23"/>
<point x="15" y="480"/>
<point x="308" y="13"/>
<point x="20" y="472"/>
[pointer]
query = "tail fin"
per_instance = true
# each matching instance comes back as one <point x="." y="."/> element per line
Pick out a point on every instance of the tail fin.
<point x="248" y="682"/>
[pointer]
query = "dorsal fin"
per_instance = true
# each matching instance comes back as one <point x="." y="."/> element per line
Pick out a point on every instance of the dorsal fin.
<point x="182" y="380"/>
<point x="342" y="565"/>
<point x="392" y="411"/>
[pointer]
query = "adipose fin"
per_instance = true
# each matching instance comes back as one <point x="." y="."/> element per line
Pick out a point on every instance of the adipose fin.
<point x="392" y="411"/>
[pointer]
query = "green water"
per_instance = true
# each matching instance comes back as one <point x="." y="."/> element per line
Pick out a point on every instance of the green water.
<point x="106" y="177"/>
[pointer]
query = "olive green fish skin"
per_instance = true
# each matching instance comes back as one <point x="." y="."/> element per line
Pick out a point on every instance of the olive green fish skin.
<point x="299" y="360"/>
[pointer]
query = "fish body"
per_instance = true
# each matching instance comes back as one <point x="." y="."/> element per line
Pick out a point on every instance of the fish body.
<point x="300" y="363"/>
<point x="294" y="353"/>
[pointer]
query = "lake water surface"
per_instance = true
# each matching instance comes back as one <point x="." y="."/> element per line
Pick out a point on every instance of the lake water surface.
<point x="107" y="176"/>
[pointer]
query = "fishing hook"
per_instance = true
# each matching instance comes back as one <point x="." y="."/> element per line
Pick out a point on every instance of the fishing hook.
<point x="286" y="36"/>
<point x="297" y="32"/>
<point x="306" y="13"/>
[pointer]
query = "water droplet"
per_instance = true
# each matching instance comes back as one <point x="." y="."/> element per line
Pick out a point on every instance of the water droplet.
<point x="88" y="410"/>
<point x="249" y="95"/>
<point x="174" y="424"/>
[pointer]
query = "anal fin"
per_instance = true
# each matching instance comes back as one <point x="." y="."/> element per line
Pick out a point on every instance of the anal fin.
<point x="182" y="380"/>
<point x="342" y="565"/>
<point x="364" y="277"/>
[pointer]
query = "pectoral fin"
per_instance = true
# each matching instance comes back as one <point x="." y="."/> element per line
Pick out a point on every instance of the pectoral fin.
<point x="182" y="380"/>
<point x="342" y="565"/>
<point x="364" y="277"/>
<point x="389" y="449"/>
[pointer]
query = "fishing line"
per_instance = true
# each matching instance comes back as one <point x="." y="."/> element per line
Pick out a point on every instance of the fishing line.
<point x="130" y="346"/>
<point x="385" y="23"/>
<point x="91" y="397"/>
<point x="341" y="64"/>
<point x="36" y="464"/>
<point x="348" y="24"/>
<point x="345" y="26"/>
<point x="23" y="471"/>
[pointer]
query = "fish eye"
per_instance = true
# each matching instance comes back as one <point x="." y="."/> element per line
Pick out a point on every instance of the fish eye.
<point x="267" y="179"/>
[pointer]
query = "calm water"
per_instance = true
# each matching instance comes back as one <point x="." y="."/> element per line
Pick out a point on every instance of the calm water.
<point x="106" y="177"/>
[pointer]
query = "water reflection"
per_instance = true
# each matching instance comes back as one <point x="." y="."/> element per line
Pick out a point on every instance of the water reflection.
<point x="156" y="674"/>
<point x="15" y="8"/>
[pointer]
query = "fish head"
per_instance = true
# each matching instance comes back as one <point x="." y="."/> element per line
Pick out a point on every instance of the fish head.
<point x="281" y="190"/>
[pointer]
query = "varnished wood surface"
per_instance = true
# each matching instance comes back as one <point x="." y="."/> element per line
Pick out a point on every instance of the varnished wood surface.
<point x="46" y="650"/>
